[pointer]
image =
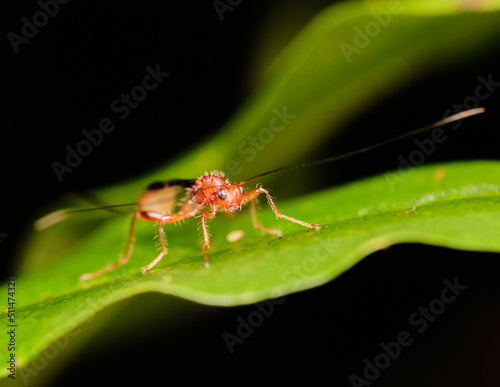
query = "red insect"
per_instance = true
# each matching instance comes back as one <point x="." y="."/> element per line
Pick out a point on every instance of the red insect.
<point x="212" y="193"/>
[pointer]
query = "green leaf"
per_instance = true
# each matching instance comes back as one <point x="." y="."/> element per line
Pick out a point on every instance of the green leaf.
<point x="456" y="206"/>
<point x="453" y="205"/>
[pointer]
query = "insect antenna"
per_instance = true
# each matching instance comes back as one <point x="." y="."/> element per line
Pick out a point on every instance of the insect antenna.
<point x="61" y="215"/>
<point x="444" y="121"/>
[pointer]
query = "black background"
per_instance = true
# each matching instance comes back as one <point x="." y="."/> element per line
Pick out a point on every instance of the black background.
<point x="63" y="81"/>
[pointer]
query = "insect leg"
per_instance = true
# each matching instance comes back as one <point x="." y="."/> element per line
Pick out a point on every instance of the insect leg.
<point x="206" y="238"/>
<point x="122" y="261"/>
<point x="161" y="235"/>
<point x="257" y="225"/>
<point x="161" y="220"/>
<point x="256" y="192"/>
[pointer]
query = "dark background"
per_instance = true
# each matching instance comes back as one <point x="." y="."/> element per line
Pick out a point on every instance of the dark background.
<point x="63" y="81"/>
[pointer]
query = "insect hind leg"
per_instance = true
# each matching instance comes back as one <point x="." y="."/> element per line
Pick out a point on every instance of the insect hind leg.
<point x="122" y="261"/>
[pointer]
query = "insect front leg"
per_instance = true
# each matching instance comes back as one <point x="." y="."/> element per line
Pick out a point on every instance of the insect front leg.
<point x="206" y="237"/>
<point x="257" y="225"/>
<point x="252" y="195"/>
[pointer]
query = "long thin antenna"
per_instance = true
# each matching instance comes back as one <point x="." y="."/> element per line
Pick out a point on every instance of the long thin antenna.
<point x="444" y="121"/>
<point x="60" y="215"/>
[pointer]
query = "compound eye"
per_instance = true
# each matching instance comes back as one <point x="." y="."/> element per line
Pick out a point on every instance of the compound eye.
<point x="242" y="189"/>
<point x="221" y="194"/>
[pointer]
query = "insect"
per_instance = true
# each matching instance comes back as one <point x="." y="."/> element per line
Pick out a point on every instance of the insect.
<point x="213" y="193"/>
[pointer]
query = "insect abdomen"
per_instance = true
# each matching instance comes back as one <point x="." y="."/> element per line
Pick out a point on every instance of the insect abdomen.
<point x="162" y="197"/>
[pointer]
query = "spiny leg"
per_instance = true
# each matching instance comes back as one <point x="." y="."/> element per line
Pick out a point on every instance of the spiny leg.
<point x="185" y="212"/>
<point x="257" y="225"/>
<point x="122" y="261"/>
<point x="256" y="192"/>
<point x="161" y="235"/>
<point x="206" y="237"/>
